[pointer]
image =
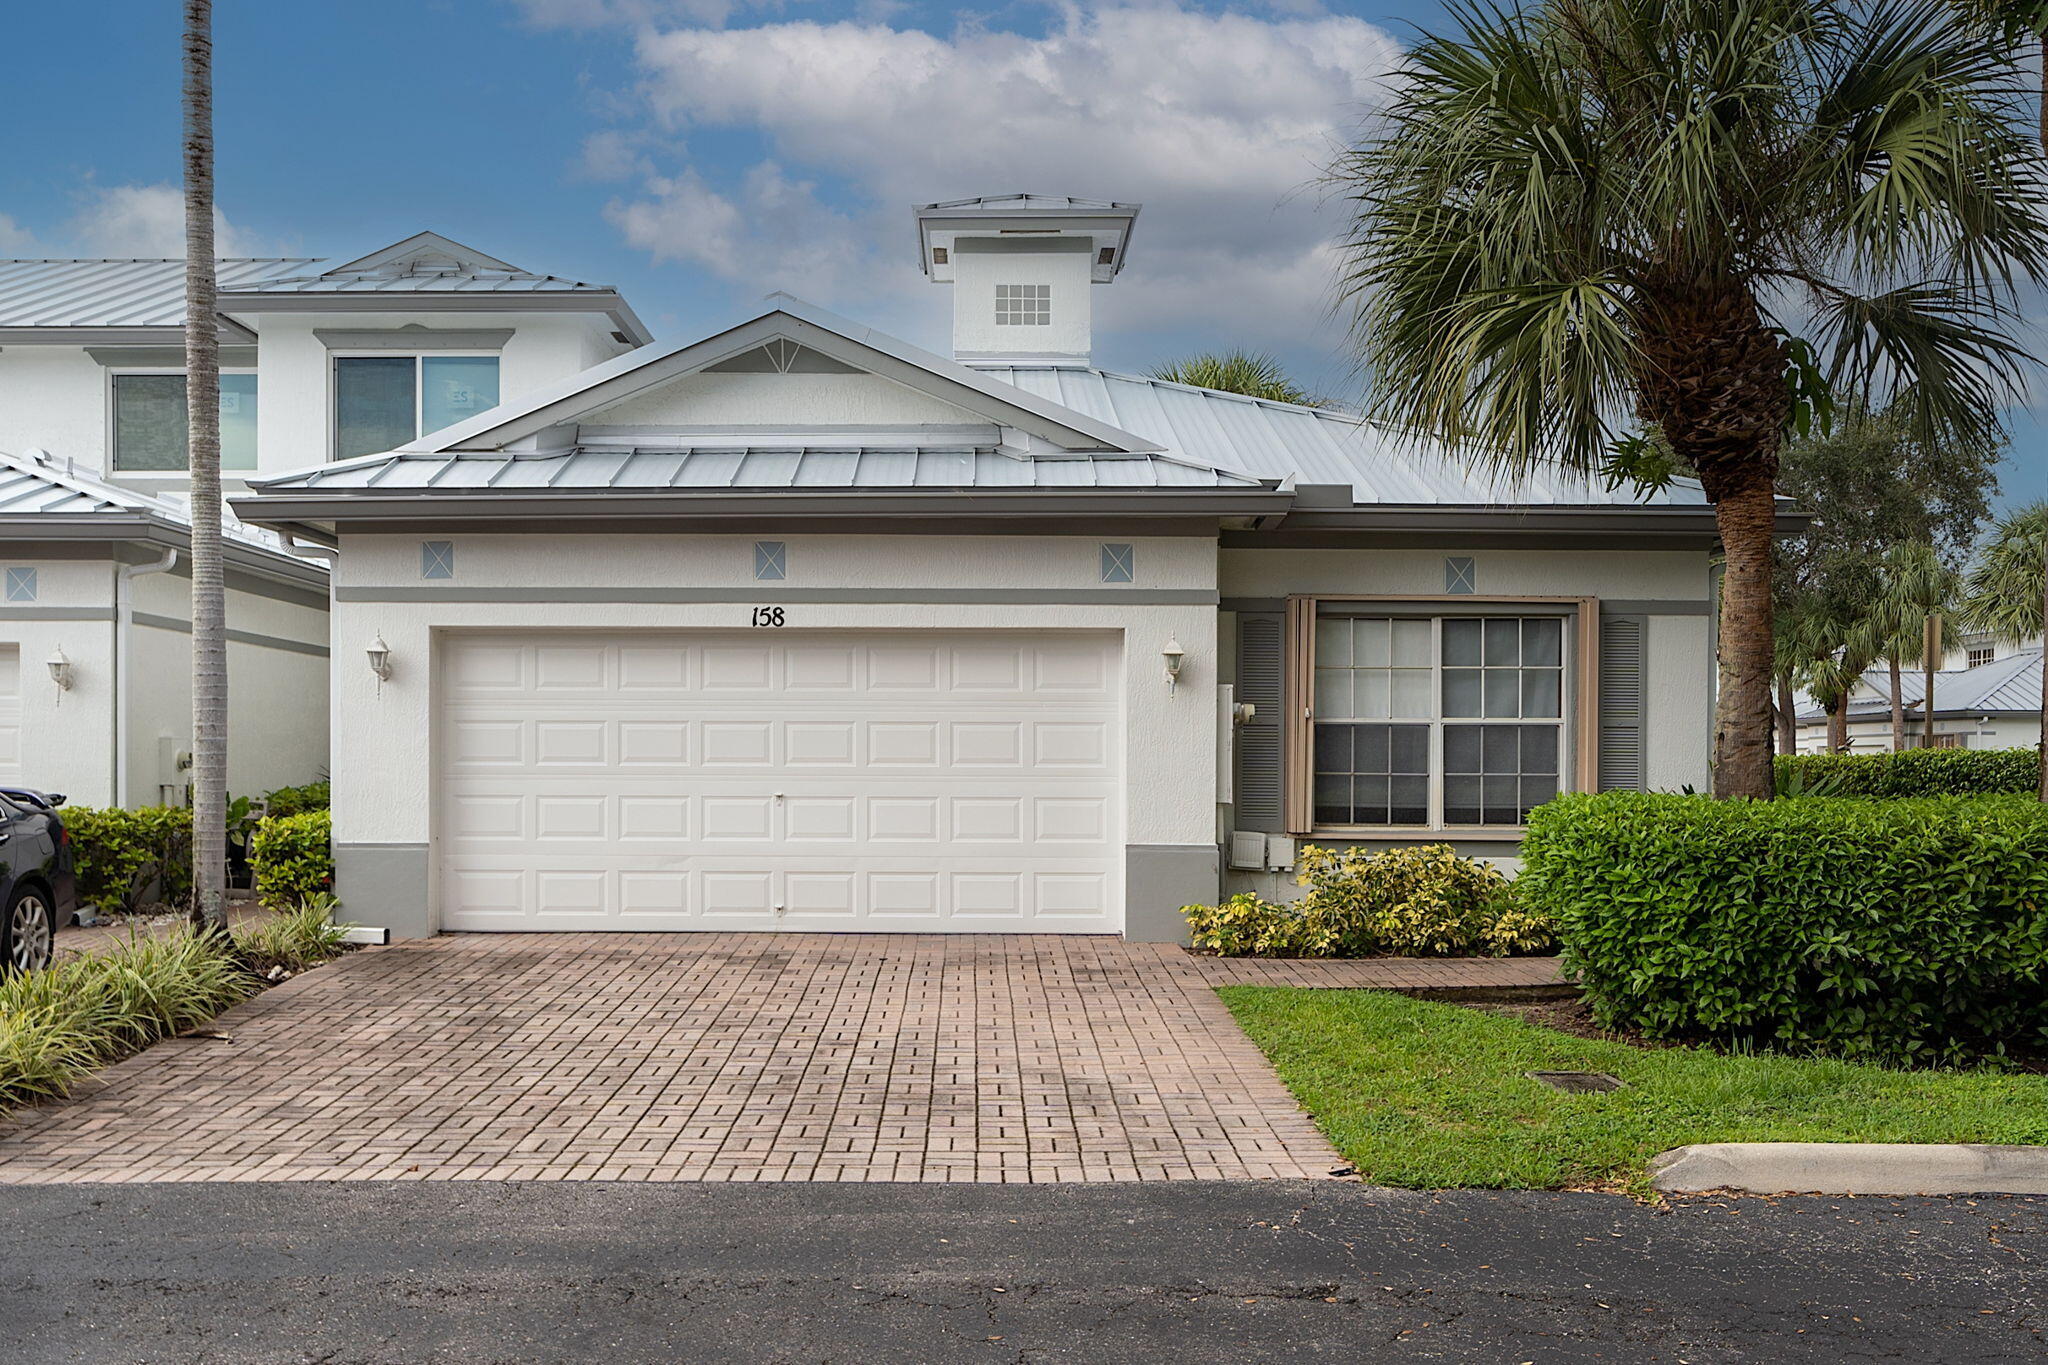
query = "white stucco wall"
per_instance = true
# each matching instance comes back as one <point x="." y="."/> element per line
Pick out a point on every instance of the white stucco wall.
<point x="794" y="399"/>
<point x="277" y="697"/>
<point x="382" y="792"/>
<point x="976" y="275"/>
<point x="1873" y="737"/>
<point x="294" y="424"/>
<point x="66" y="737"/>
<point x="1679" y="575"/>
<point x="54" y="398"/>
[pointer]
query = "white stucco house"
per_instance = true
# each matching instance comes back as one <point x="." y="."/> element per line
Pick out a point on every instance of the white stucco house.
<point x="794" y="625"/>
<point x="320" y="360"/>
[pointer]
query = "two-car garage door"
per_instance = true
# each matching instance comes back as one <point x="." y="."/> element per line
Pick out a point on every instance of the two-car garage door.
<point x="903" y="780"/>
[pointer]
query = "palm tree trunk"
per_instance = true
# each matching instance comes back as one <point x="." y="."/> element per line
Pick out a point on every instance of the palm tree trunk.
<point x="1930" y="654"/>
<point x="1838" y="727"/>
<point x="1898" y="706"/>
<point x="1788" y="718"/>
<point x="202" y="401"/>
<point x="1742" y="712"/>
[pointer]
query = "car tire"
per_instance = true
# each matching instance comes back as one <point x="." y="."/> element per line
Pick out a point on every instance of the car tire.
<point x="28" y="931"/>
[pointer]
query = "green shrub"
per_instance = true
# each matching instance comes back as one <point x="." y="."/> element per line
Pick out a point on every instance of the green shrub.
<point x="1911" y="772"/>
<point x="59" y="1024"/>
<point x="1900" y="930"/>
<point x="293" y="939"/>
<point x="122" y="854"/>
<point x="293" y="858"/>
<point x="296" y="800"/>
<point x="1411" y="902"/>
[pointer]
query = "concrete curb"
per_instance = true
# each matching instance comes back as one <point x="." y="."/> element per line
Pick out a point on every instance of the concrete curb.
<point x="1851" y="1168"/>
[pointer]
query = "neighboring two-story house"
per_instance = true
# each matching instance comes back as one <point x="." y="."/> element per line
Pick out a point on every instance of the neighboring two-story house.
<point x="320" y="361"/>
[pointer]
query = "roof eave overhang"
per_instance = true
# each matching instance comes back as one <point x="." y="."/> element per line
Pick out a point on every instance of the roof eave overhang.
<point x="606" y="301"/>
<point x="1432" y="523"/>
<point x="277" y="510"/>
<point x="231" y="333"/>
<point x="128" y="528"/>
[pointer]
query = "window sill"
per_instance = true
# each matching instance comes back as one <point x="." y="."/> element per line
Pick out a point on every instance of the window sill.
<point x="1410" y="833"/>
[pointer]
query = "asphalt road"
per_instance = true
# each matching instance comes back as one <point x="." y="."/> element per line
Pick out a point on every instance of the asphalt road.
<point x="1184" y="1272"/>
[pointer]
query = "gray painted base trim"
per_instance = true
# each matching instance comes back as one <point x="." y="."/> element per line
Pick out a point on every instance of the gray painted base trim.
<point x="384" y="886"/>
<point x="776" y="593"/>
<point x="1158" y="880"/>
<point x="56" y="613"/>
<point x="240" y="637"/>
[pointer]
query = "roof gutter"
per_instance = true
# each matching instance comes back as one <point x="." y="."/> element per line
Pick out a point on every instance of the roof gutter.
<point x="143" y="527"/>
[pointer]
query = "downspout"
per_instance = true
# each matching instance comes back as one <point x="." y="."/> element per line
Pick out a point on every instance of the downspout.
<point x="124" y="627"/>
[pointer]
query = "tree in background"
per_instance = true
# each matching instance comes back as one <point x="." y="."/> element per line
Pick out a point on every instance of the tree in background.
<point x="202" y="402"/>
<point x="1246" y="372"/>
<point x="1915" y="607"/>
<point x="1595" y="217"/>
<point x="2008" y="592"/>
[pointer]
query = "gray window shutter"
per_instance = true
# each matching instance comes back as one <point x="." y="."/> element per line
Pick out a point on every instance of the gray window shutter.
<point x="1260" y="641"/>
<point x="1623" y="702"/>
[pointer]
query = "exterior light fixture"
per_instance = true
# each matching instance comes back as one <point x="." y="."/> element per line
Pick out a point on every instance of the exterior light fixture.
<point x="380" y="659"/>
<point x="60" y="670"/>
<point x="1175" y="656"/>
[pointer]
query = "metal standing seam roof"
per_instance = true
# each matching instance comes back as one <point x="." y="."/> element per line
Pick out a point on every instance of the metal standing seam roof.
<point x="1029" y="203"/>
<point x="37" y="484"/>
<point x="151" y="292"/>
<point x="2009" y="684"/>
<point x="754" y="468"/>
<point x="1269" y="440"/>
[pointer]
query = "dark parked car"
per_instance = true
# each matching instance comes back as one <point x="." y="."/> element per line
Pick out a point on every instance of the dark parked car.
<point x="37" y="887"/>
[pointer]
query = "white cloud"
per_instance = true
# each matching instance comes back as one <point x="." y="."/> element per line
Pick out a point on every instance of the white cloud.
<point x="144" y="220"/>
<point x="1216" y="122"/>
<point x="16" y="240"/>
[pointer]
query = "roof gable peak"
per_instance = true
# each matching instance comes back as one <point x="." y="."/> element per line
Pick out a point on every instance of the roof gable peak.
<point x="423" y="253"/>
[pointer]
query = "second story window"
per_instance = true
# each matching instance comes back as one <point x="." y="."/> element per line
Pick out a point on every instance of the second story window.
<point x="1023" y="305"/>
<point x="383" y="401"/>
<point x="149" y="426"/>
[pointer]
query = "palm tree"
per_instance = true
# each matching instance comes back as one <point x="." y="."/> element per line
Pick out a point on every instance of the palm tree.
<point x="2008" y="592"/>
<point x="1692" y="219"/>
<point x="1245" y="372"/>
<point x="202" y="402"/>
<point x="1915" y="607"/>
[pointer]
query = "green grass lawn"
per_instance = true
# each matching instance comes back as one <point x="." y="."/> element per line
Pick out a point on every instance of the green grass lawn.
<point x="1432" y="1096"/>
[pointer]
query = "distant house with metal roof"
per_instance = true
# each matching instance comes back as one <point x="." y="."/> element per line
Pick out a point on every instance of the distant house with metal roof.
<point x="1990" y="705"/>
<point x="796" y="625"/>
<point x="321" y="360"/>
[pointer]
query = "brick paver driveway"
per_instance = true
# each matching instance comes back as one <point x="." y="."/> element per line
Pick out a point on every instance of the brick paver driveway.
<point x="706" y="1057"/>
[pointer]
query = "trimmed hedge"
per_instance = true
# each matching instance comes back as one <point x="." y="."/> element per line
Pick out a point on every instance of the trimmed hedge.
<point x="121" y="854"/>
<point x="293" y="858"/>
<point x="1909" y="931"/>
<point x="1912" y="772"/>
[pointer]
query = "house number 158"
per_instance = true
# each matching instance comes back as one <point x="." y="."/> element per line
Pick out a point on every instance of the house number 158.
<point x="767" y="616"/>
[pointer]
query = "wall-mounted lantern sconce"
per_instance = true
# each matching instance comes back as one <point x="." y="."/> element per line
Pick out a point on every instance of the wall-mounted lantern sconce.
<point x="60" y="673"/>
<point x="380" y="659"/>
<point x="1175" y="656"/>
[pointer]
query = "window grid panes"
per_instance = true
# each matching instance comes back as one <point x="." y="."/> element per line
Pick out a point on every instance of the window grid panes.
<point x="151" y="424"/>
<point x="1422" y="721"/>
<point x="1023" y="305"/>
<point x="382" y="402"/>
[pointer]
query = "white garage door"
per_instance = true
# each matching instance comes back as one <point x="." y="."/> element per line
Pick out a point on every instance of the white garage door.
<point x="917" y="781"/>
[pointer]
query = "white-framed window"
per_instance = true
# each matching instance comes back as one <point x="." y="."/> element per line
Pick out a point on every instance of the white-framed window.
<point x="1023" y="305"/>
<point x="384" y="400"/>
<point x="1435" y="721"/>
<point x="1976" y="656"/>
<point x="148" y="421"/>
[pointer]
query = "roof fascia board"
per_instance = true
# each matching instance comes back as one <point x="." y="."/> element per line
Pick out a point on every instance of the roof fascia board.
<point x="633" y="373"/>
<point x="613" y="505"/>
<point x="115" y="528"/>
<point x="606" y="301"/>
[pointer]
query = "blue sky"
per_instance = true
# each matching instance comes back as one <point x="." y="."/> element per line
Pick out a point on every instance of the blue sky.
<point x="700" y="153"/>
